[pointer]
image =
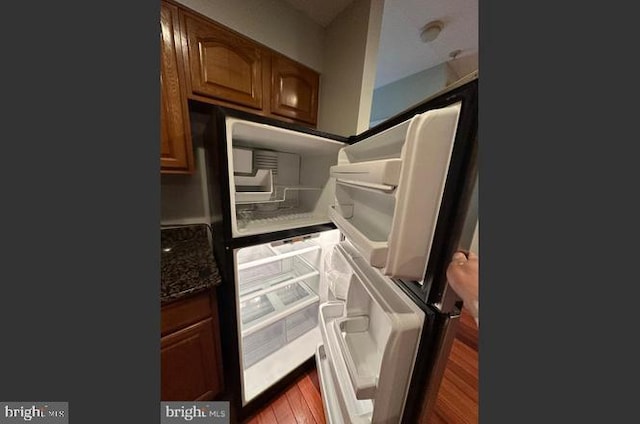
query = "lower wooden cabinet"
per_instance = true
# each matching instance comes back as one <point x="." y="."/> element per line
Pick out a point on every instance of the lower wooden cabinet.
<point x="191" y="368"/>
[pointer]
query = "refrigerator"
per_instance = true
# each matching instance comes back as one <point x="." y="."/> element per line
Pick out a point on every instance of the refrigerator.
<point x="333" y="253"/>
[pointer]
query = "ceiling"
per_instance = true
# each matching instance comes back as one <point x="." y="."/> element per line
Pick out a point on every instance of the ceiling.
<point x="401" y="52"/>
<point x="320" y="11"/>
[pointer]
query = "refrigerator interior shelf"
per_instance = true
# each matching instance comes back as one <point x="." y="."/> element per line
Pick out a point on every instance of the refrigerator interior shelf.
<point x="260" y="311"/>
<point x="278" y="195"/>
<point x="254" y="188"/>
<point x="253" y="282"/>
<point x="378" y="174"/>
<point x="248" y="256"/>
<point x="277" y="255"/>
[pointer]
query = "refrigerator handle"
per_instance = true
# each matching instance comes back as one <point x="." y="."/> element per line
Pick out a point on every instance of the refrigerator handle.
<point x="449" y="301"/>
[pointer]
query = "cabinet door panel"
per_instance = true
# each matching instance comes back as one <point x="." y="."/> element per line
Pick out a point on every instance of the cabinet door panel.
<point x="222" y="65"/>
<point x="294" y="90"/>
<point x="176" y="153"/>
<point x="189" y="364"/>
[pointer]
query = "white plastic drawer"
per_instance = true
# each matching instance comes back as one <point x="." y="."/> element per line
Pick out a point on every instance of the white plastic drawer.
<point x="255" y="308"/>
<point x="260" y="344"/>
<point x="302" y="321"/>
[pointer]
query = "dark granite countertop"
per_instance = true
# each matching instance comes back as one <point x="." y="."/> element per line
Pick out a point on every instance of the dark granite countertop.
<point x="187" y="262"/>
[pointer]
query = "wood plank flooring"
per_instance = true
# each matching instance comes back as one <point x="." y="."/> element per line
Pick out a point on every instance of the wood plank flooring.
<point x="457" y="401"/>
<point x="299" y="404"/>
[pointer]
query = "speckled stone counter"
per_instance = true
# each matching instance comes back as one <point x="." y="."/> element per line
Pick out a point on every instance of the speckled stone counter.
<point x="187" y="262"/>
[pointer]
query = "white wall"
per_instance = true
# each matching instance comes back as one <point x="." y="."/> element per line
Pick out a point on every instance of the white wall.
<point x="350" y="56"/>
<point x="269" y="22"/>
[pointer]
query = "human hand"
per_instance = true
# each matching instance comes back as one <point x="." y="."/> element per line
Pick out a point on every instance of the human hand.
<point x="462" y="275"/>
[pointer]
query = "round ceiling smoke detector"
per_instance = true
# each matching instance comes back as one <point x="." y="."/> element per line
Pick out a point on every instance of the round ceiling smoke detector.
<point x="431" y="31"/>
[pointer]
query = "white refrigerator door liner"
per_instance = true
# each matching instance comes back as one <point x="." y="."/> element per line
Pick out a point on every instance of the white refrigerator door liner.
<point x="389" y="188"/>
<point x="370" y="341"/>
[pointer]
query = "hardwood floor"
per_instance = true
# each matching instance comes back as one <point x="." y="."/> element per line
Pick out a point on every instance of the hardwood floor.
<point x="300" y="404"/>
<point x="457" y="401"/>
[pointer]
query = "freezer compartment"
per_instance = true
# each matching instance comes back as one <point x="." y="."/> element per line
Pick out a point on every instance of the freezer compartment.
<point x="371" y="340"/>
<point x="298" y="193"/>
<point x="389" y="188"/>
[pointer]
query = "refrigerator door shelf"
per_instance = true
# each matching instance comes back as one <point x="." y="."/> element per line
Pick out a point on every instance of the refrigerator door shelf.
<point x="335" y="407"/>
<point x="372" y="247"/>
<point x="360" y="389"/>
<point x="379" y="174"/>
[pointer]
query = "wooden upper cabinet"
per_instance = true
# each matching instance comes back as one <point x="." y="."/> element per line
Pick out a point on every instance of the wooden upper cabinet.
<point x="294" y="90"/>
<point x="176" y="154"/>
<point x="222" y="64"/>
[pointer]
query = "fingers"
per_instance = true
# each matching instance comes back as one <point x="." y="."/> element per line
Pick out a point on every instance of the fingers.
<point x="459" y="256"/>
<point x="462" y="257"/>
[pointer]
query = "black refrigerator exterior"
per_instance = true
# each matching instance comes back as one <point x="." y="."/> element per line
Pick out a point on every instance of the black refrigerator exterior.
<point x="440" y="305"/>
